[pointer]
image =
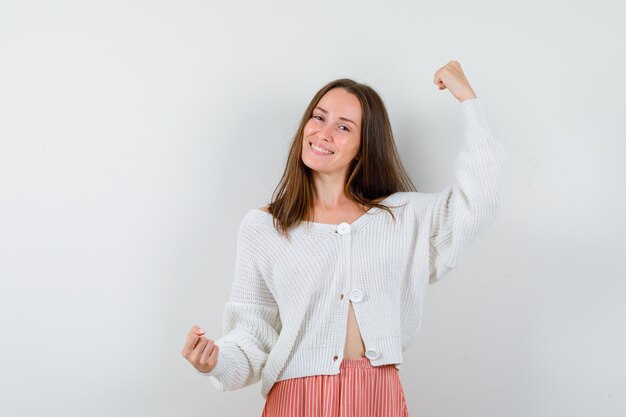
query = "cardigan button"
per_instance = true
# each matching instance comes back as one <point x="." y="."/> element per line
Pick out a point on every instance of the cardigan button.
<point x="356" y="295"/>
<point x="335" y="357"/>
<point x="372" y="354"/>
<point x="343" y="228"/>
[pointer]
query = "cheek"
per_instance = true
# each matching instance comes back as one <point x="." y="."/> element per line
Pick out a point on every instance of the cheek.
<point x="308" y="129"/>
<point x="350" y="146"/>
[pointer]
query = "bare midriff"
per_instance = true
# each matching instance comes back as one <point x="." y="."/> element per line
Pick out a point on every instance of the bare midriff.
<point x="354" y="347"/>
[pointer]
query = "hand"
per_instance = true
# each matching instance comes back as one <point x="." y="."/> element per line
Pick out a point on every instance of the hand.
<point x="451" y="76"/>
<point x="200" y="351"/>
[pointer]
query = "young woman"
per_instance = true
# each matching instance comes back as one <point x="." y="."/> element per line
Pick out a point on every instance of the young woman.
<point x="331" y="276"/>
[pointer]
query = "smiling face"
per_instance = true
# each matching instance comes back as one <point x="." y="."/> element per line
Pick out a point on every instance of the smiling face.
<point x="335" y="126"/>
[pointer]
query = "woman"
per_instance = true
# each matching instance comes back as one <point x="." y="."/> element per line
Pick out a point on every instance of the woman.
<point x="330" y="278"/>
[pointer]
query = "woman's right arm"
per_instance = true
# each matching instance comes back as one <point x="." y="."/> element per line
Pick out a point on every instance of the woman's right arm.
<point x="251" y="321"/>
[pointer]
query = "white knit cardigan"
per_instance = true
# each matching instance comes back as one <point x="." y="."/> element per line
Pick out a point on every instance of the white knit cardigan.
<point x="288" y="308"/>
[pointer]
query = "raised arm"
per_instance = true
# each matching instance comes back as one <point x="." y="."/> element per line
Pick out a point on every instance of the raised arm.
<point x="461" y="212"/>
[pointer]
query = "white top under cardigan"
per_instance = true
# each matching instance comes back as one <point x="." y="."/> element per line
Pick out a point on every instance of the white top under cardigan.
<point x="288" y="309"/>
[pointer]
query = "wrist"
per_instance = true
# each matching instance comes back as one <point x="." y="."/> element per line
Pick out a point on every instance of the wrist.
<point x="467" y="96"/>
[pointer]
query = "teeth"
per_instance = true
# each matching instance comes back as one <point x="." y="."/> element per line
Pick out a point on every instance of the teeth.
<point x="317" y="148"/>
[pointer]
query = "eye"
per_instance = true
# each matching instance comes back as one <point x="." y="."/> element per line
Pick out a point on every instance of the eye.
<point x="318" y="117"/>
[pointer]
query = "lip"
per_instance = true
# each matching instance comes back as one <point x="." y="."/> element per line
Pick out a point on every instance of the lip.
<point x="320" y="146"/>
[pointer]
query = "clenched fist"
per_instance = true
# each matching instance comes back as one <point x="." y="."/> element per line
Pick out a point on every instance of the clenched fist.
<point x="451" y="76"/>
<point x="201" y="352"/>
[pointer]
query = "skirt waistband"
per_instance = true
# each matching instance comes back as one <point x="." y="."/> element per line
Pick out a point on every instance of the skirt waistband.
<point x="356" y="363"/>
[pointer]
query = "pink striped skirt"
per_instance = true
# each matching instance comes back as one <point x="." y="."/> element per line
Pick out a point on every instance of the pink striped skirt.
<point x="359" y="389"/>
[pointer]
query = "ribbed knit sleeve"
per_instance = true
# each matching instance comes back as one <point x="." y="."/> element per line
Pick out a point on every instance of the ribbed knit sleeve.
<point x="461" y="212"/>
<point x="251" y="322"/>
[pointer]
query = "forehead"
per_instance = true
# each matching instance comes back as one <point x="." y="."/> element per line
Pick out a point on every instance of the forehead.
<point x="341" y="103"/>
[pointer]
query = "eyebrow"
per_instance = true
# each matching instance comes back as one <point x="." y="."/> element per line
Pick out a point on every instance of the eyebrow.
<point x="342" y="118"/>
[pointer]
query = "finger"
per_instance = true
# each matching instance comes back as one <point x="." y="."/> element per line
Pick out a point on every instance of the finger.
<point x="197" y="329"/>
<point x="192" y="331"/>
<point x="190" y="344"/>
<point x="438" y="81"/>
<point x="205" y="357"/>
<point x="197" y="351"/>
<point x="215" y="352"/>
<point x="208" y="349"/>
<point x="214" y="356"/>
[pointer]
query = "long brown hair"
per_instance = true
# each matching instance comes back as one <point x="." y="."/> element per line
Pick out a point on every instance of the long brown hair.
<point x="376" y="172"/>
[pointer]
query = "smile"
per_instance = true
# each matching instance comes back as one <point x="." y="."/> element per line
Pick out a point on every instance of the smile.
<point x="320" y="151"/>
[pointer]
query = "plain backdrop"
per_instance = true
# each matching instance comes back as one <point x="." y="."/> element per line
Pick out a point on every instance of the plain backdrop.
<point x="134" y="135"/>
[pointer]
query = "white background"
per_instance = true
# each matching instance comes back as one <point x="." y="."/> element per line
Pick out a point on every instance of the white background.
<point x="135" y="135"/>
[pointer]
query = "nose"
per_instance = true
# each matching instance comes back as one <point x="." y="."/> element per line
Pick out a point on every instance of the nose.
<point x="326" y="132"/>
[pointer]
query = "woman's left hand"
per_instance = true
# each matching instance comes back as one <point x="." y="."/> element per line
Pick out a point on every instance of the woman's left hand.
<point x="451" y="76"/>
